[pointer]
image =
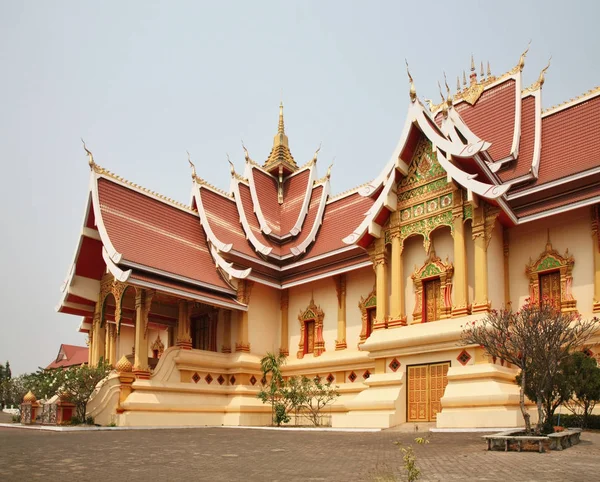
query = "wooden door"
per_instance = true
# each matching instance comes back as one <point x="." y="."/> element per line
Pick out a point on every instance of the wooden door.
<point x="309" y="336"/>
<point x="431" y="303"/>
<point x="426" y="385"/>
<point x="550" y="287"/>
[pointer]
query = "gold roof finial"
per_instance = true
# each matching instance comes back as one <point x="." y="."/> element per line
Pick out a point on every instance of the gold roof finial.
<point x="192" y="166"/>
<point x="458" y="83"/>
<point x="481" y="72"/>
<point x="541" y="78"/>
<point x="429" y="104"/>
<point x="472" y="64"/>
<point x="246" y="155"/>
<point x="441" y="94"/>
<point x="489" y="71"/>
<point x="413" y="91"/>
<point x="448" y="96"/>
<point x="464" y="79"/>
<point x="328" y="175"/>
<point x="314" y="159"/>
<point x="231" y="166"/>
<point x="444" y="104"/>
<point x="280" y="127"/>
<point x="523" y="55"/>
<point x="89" y="154"/>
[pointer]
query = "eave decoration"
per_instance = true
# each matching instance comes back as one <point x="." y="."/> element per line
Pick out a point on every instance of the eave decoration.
<point x="364" y="304"/>
<point x="158" y="346"/>
<point x="550" y="260"/>
<point x="432" y="268"/>
<point x="314" y="313"/>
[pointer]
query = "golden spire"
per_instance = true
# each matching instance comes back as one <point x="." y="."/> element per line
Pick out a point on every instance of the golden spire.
<point x="472" y="64"/>
<point x="541" y="78"/>
<point x="328" y="175"/>
<point x="412" y="91"/>
<point x="489" y="71"/>
<point x="523" y="55"/>
<point x="481" y="72"/>
<point x="457" y="83"/>
<point x="192" y="166"/>
<point x="89" y="154"/>
<point x="280" y="153"/>
<point x="464" y="79"/>
<point x="280" y="127"/>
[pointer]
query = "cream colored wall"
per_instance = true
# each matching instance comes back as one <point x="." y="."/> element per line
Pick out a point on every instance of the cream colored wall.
<point x="324" y="294"/>
<point x="570" y="230"/>
<point x="220" y="327"/>
<point x="264" y="315"/>
<point x="125" y="341"/>
<point x="413" y="255"/>
<point x="495" y="256"/>
<point x="358" y="283"/>
<point x="443" y="243"/>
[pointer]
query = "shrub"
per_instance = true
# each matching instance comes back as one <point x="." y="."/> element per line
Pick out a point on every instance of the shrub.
<point x="570" y="420"/>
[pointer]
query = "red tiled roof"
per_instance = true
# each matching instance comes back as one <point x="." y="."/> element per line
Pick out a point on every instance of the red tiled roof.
<point x="492" y="118"/>
<point x="558" y="201"/>
<point x="311" y="217"/>
<point x="294" y="190"/>
<point x="522" y="165"/>
<point x="246" y="199"/>
<point x="266" y="191"/>
<point x="152" y="233"/>
<point x="73" y="356"/>
<point x="570" y="141"/>
<point x="339" y="220"/>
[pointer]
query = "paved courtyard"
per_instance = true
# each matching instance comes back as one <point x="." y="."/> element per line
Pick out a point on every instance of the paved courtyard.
<point x="226" y="454"/>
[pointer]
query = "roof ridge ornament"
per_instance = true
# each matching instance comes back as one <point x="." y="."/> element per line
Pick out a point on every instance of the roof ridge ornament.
<point x="412" y="92"/>
<point x="91" y="162"/>
<point x="191" y="165"/>
<point x="541" y="78"/>
<point x="521" y="63"/>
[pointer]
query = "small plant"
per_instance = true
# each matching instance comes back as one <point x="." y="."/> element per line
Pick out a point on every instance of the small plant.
<point x="410" y="459"/>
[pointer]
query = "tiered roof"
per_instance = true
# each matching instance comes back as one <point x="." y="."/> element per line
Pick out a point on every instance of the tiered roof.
<point x="279" y="226"/>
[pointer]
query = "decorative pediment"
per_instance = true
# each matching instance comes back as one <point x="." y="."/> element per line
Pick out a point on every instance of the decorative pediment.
<point x="158" y="346"/>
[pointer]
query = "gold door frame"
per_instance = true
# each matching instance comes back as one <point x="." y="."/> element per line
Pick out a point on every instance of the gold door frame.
<point x="425" y="403"/>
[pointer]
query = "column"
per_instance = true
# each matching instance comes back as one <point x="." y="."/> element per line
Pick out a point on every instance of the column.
<point x="397" y="310"/>
<point x="480" y="303"/>
<point x="461" y="287"/>
<point x="93" y="349"/>
<point x="243" y="296"/>
<point x="285" y="304"/>
<point x="143" y="301"/>
<point x="112" y="353"/>
<point x="340" y="287"/>
<point x="596" y="255"/>
<point x="107" y="341"/>
<point x="184" y="338"/>
<point x="380" y="265"/>
<point x="226" y="348"/>
<point x="100" y="339"/>
<point x="506" y="268"/>
<point x="91" y="344"/>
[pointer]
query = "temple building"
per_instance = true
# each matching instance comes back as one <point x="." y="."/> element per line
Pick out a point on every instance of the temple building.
<point x="488" y="199"/>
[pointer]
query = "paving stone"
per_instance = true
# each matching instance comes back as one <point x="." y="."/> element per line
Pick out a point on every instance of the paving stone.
<point x="226" y="454"/>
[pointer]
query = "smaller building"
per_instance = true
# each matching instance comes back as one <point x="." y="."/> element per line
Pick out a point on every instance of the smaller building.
<point x="68" y="356"/>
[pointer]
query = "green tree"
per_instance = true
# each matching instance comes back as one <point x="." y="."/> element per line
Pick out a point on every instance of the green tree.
<point x="315" y="396"/>
<point x="538" y="338"/>
<point x="583" y="375"/>
<point x="271" y="391"/>
<point x="79" y="382"/>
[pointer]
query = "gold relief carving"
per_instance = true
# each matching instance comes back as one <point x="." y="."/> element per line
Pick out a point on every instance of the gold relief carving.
<point x="118" y="288"/>
<point x="105" y="287"/>
<point x="551" y="261"/>
<point x="158" y="346"/>
<point x="434" y="268"/>
<point x="484" y="221"/>
<point x="285" y="299"/>
<point x="244" y="291"/>
<point x="314" y="314"/>
<point x="366" y="303"/>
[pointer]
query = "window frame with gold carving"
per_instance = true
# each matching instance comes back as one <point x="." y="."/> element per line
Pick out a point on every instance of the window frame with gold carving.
<point x="432" y="269"/>
<point x="312" y="313"/>
<point x="367" y="305"/>
<point x="547" y="263"/>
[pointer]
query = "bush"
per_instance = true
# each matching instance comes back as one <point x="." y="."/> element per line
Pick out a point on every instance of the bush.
<point x="570" y="420"/>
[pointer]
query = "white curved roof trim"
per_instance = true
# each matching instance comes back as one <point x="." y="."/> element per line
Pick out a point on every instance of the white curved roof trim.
<point x="537" y="143"/>
<point x="117" y="272"/>
<point x="225" y="248"/>
<point x="228" y="267"/>
<point x="260" y="247"/>
<point x="262" y="222"/>
<point x="463" y="128"/>
<point x="301" y="248"/>
<point x="112" y="252"/>
<point x="514" y="151"/>
<point x="488" y="191"/>
<point x="385" y="200"/>
<point x="304" y="209"/>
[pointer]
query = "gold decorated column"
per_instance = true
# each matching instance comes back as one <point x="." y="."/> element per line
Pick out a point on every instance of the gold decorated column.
<point x="184" y="338"/>
<point x="143" y="301"/>
<point x="506" y="267"/>
<point x="94" y="351"/>
<point x="461" y="287"/>
<point x="484" y="219"/>
<point x="285" y="304"/>
<point x="397" y="309"/>
<point x="243" y="296"/>
<point x="381" y="292"/>
<point x="111" y="353"/>
<point x="226" y="348"/>
<point x="596" y="256"/>
<point x="340" y="287"/>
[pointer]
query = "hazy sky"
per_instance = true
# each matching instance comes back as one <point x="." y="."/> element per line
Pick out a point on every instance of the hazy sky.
<point x="143" y="81"/>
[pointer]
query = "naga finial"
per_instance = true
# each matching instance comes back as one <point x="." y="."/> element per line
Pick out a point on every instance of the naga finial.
<point x="231" y="166"/>
<point x="314" y="159"/>
<point x="246" y="155"/>
<point x="523" y="55"/>
<point x="542" y="78"/>
<point x="440" y="89"/>
<point x="191" y="165"/>
<point x="489" y="71"/>
<point x="448" y="96"/>
<point x="429" y="104"/>
<point x="328" y="175"/>
<point x="413" y="91"/>
<point x="89" y="154"/>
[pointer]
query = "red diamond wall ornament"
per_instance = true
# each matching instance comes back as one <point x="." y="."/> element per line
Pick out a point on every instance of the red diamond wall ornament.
<point x="232" y="380"/>
<point x="352" y="377"/>
<point x="221" y="380"/>
<point x="463" y="357"/>
<point x="330" y="378"/>
<point x="367" y="374"/>
<point x="208" y="379"/>
<point x="394" y="365"/>
<point x="196" y="377"/>
<point x="253" y="380"/>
